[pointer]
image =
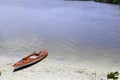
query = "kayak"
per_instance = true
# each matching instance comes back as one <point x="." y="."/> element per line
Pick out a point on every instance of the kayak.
<point x="30" y="59"/>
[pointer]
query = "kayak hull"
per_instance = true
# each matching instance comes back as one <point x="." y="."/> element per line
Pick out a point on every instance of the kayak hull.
<point x="30" y="59"/>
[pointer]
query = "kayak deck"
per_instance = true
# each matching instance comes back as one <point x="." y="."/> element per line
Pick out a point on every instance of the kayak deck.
<point x="30" y="59"/>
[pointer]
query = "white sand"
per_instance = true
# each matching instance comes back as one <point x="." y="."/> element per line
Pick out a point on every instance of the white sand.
<point x="46" y="70"/>
<point x="26" y="14"/>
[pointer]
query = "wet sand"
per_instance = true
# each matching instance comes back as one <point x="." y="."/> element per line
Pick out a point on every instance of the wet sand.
<point x="48" y="70"/>
<point x="68" y="30"/>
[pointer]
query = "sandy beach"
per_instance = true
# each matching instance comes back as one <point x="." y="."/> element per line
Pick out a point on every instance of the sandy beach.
<point x="82" y="39"/>
<point x="47" y="70"/>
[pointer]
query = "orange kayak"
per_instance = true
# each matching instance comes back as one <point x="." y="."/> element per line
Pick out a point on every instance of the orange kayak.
<point x="30" y="59"/>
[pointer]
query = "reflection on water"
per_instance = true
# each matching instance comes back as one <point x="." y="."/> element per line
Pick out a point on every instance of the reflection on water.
<point x="88" y="31"/>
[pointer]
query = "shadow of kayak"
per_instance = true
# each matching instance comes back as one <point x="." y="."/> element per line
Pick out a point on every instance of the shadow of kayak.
<point x="21" y="68"/>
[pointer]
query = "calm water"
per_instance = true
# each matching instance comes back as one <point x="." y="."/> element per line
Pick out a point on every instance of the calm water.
<point x="87" y="32"/>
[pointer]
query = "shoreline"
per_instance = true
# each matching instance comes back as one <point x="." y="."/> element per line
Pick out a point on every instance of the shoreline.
<point x="49" y="71"/>
<point x="109" y="1"/>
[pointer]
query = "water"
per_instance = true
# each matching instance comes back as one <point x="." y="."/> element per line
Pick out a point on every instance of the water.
<point x="87" y="32"/>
